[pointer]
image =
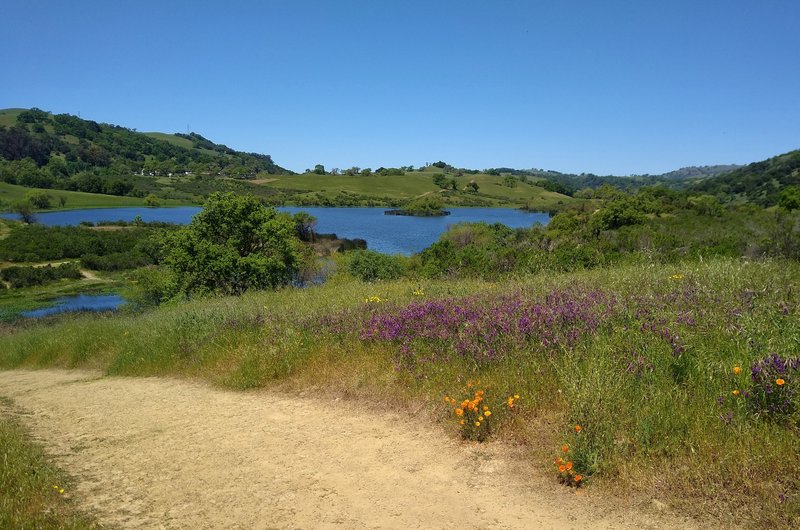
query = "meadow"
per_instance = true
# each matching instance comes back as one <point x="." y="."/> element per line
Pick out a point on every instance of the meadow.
<point x="675" y="382"/>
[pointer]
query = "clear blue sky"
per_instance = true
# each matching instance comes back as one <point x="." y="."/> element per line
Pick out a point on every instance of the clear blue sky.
<point x="638" y="86"/>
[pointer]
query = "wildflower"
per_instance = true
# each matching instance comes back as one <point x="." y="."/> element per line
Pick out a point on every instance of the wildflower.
<point x="562" y="468"/>
<point x="61" y="491"/>
<point x="510" y="402"/>
<point x="516" y="396"/>
<point x="735" y="393"/>
<point x="487" y="413"/>
<point x="578" y="428"/>
<point x="569" y="465"/>
<point x="578" y="478"/>
<point x="447" y="399"/>
<point x="485" y="408"/>
<point x="459" y="412"/>
<point x="477" y="424"/>
<point x="737" y="370"/>
<point x="564" y="448"/>
<point x="780" y="382"/>
<point x="462" y="422"/>
<point x="480" y="418"/>
<point x="559" y="461"/>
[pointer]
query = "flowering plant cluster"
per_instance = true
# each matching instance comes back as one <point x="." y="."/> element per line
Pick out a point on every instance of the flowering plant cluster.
<point x="567" y="472"/>
<point x="485" y="328"/>
<point x="474" y="414"/>
<point x="773" y="389"/>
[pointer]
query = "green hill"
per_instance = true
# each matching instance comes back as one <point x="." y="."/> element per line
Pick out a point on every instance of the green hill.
<point x="759" y="182"/>
<point x="65" y="152"/>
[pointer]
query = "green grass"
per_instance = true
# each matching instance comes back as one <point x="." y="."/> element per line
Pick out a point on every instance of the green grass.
<point x="11" y="193"/>
<point x="8" y="117"/>
<point x="657" y="435"/>
<point x="415" y="184"/>
<point x="33" y="492"/>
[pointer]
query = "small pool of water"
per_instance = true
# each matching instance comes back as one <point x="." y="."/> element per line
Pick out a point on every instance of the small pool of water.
<point x="80" y="302"/>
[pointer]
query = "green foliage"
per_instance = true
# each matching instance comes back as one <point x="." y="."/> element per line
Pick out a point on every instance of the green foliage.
<point x="790" y="198"/>
<point x="233" y="245"/>
<point x="47" y="243"/>
<point x="426" y="205"/>
<point x="38" y="199"/>
<point x="761" y="182"/>
<point x="19" y="277"/>
<point x="368" y="266"/>
<point x="616" y="214"/>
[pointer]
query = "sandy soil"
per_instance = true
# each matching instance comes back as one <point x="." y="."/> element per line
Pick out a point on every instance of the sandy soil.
<point x="165" y="453"/>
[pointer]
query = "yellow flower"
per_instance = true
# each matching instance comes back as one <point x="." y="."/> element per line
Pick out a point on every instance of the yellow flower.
<point x="462" y="422"/>
<point x="780" y="382"/>
<point x="477" y="424"/>
<point x="447" y="399"/>
<point x="485" y="407"/>
<point x="61" y="491"/>
<point x="735" y="393"/>
<point x="737" y="370"/>
<point x="487" y="413"/>
<point x="516" y="396"/>
<point x="480" y="418"/>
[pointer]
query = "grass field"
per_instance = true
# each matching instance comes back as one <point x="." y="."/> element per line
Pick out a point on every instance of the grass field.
<point x="10" y="193"/>
<point x="652" y="362"/>
<point x="415" y="184"/>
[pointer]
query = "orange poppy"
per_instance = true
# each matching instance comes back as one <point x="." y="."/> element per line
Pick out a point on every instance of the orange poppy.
<point x="780" y="382"/>
<point x="578" y="428"/>
<point x="569" y="465"/>
<point x="564" y="448"/>
<point x="578" y="478"/>
<point x="561" y="469"/>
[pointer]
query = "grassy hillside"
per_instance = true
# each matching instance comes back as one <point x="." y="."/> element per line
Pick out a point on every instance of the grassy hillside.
<point x="11" y="193"/>
<point x="759" y="182"/>
<point x="652" y="362"/>
<point x="492" y="191"/>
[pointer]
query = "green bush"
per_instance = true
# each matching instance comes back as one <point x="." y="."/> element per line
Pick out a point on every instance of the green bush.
<point x="368" y="266"/>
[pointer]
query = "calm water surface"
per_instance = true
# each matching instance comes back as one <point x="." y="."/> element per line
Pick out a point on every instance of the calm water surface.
<point x="80" y="302"/>
<point x="392" y="234"/>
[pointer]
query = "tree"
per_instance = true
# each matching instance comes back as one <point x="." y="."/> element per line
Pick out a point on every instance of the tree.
<point x="319" y="169"/>
<point x="473" y="186"/>
<point x="152" y="201"/>
<point x="38" y="199"/>
<point x="790" y="198"/>
<point x="25" y="211"/>
<point x="235" y="244"/>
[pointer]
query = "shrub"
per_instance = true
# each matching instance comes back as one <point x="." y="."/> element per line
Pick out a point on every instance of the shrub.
<point x="368" y="265"/>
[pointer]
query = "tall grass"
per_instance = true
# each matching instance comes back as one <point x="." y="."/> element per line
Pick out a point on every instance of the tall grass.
<point x="641" y="357"/>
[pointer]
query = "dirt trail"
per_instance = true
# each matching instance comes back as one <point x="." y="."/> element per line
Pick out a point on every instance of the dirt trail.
<point x="164" y="453"/>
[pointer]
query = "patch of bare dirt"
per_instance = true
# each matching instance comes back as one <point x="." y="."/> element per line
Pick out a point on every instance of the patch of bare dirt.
<point x="157" y="452"/>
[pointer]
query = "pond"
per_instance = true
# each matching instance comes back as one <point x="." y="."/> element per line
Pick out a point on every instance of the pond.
<point x="391" y="234"/>
<point x="80" y="302"/>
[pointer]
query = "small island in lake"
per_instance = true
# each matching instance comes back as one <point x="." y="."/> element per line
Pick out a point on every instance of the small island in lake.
<point x="425" y="206"/>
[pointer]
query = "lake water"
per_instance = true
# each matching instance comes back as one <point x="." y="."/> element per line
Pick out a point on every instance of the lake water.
<point x="80" y="302"/>
<point x="392" y="234"/>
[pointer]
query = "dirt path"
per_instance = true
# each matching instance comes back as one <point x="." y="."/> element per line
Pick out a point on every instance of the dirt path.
<point x="164" y="453"/>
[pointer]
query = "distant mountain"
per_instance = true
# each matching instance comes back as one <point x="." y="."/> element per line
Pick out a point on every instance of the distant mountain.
<point x="759" y="182"/>
<point x="40" y="149"/>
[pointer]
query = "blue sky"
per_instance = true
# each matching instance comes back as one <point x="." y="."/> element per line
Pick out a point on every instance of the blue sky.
<point x="618" y="87"/>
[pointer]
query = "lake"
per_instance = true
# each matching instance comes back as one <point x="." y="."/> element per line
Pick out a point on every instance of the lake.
<point x="80" y="302"/>
<point x="391" y="234"/>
